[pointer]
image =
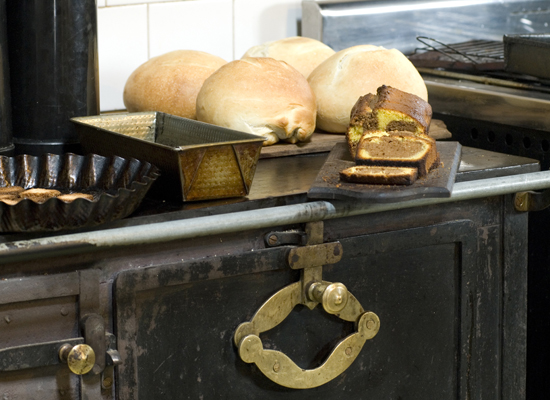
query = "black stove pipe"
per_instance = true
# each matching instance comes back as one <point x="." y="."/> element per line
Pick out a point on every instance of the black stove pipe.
<point x="53" y="71"/>
<point x="6" y="143"/>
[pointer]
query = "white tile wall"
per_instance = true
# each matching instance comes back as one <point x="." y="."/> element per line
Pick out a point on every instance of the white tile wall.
<point x="262" y="21"/>
<point x="205" y="25"/>
<point x="122" y="47"/>
<point x="132" y="31"/>
<point x="127" y="2"/>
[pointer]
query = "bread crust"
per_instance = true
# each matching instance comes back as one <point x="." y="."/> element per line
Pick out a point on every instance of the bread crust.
<point x="390" y="109"/>
<point x="14" y="194"/>
<point x="303" y="53"/>
<point x="39" y="195"/>
<point x="170" y="82"/>
<point x="365" y="110"/>
<point x="10" y="190"/>
<point x="69" y="197"/>
<point x="11" y="200"/>
<point x="350" y="73"/>
<point x="262" y="96"/>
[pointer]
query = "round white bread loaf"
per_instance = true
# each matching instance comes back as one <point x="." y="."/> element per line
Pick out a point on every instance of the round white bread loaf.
<point x="170" y="82"/>
<point x="356" y="71"/>
<point x="303" y="53"/>
<point x="262" y="96"/>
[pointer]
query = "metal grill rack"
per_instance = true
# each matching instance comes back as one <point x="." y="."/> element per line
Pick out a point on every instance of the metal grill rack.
<point x="480" y="55"/>
<point x="481" y="61"/>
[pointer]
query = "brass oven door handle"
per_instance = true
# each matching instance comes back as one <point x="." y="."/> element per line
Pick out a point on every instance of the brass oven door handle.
<point x="278" y="367"/>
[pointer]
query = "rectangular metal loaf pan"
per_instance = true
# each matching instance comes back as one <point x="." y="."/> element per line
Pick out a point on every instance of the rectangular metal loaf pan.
<point x="197" y="161"/>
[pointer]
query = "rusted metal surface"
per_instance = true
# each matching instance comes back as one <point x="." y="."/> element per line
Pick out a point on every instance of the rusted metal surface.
<point x="389" y="271"/>
<point x="149" y="300"/>
<point x="443" y="259"/>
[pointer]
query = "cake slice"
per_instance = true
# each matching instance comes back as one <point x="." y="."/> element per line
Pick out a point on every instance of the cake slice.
<point x="398" y="151"/>
<point x="390" y="109"/>
<point x="375" y="175"/>
<point x="352" y="144"/>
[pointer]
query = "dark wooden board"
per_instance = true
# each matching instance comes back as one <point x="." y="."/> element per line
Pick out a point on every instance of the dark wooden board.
<point x="322" y="142"/>
<point x="318" y="143"/>
<point x="438" y="183"/>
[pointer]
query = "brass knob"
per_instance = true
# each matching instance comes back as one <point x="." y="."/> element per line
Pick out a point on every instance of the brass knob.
<point x="333" y="297"/>
<point x="80" y="358"/>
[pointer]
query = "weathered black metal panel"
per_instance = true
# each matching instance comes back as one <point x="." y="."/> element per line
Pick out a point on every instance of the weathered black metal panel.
<point x="512" y="140"/>
<point x="32" y="311"/>
<point x="38" y="315"/>
<point x="175" y="323"/>
<point x="33" y="355"/>
<point x="515" y="300"/>
<point x="448" y="282"/>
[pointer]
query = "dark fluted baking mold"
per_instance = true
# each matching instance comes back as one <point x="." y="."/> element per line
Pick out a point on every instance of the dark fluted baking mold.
<point x="117" y="184"/>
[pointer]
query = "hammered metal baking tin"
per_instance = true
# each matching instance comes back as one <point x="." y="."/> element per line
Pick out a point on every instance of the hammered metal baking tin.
<point x="118" y="186"/>
<point x="198" y="161"/>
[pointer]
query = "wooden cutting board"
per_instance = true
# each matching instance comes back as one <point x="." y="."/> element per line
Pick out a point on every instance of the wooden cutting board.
<point x="438" y="183"/>
<point x="323" y="142"/>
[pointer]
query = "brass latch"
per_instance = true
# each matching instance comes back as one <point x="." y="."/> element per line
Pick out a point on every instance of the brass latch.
<point x="532" y="201"/>
<point x="97" y="356"/>
<point x="310" y="291"/>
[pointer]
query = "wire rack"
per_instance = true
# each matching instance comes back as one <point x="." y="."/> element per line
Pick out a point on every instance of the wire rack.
<point x="481" y="61"/>
<point x="470" y="55"/>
